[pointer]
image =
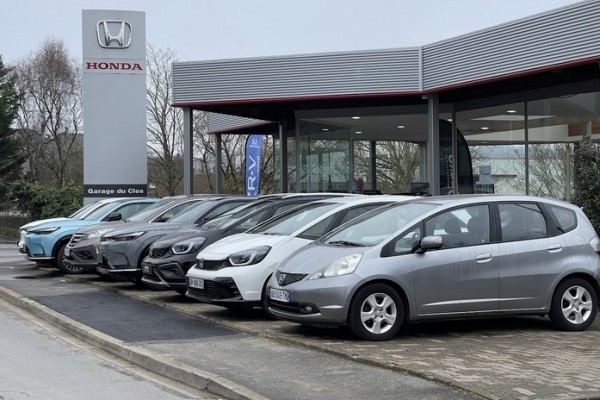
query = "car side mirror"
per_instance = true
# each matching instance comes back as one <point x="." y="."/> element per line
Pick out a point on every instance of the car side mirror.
<point x="165" y="218"/>
<point x="114" y="216"/>
<point x="430" y="243"/>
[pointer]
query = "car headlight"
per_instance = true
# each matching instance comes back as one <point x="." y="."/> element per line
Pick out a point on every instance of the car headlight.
<point x="95" y="234"/>
<point x="342" y="266"/>
<point x="125" y="236"/>
<point x="187" y="246"/>
<point x="44" y="231"/>
<point x="248" y="257"/>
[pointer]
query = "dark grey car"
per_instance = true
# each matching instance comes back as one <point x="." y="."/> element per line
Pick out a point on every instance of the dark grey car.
<point x="171" y="257"/>
<point x="442" y="257"/>
<point x="121" y="251"/>
<point x="80" y="252"/>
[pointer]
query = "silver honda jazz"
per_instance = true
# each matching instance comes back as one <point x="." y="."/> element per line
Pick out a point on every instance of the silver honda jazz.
<point x="442" y="257"/>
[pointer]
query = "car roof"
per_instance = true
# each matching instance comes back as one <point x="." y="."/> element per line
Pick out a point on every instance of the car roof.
<point x="470" y="198"/>
<point x="357" y="199"/>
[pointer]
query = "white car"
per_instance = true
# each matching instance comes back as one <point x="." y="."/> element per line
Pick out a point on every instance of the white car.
<point x="233" y="272"/>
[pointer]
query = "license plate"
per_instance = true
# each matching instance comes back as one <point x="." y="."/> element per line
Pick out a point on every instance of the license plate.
<point x="99" y="258"/>
<point x="147" y="269"/>
<point x="196" y="283"/>
<point x="279" y="295"/>
<point x="67" y="252"/>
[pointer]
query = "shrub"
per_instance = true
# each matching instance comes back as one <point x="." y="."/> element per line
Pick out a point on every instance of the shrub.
<point x="586" y="182"/>
<point x="42" y="202"/>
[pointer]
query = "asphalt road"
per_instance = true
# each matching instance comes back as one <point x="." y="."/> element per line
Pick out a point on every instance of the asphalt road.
<point x="37" y="364"/>
<point x="255" y="366"/>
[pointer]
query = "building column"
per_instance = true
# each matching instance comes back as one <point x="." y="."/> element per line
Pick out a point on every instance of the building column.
<point x="219" y="161"/>
<point x="373" y="161"/>
<point x="188" y="151"/>
<point x="433" y="144"/>
<point x="282" y="162"/>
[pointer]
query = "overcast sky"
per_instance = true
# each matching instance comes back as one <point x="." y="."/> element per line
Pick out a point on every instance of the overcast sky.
<point x="219" y="29"/>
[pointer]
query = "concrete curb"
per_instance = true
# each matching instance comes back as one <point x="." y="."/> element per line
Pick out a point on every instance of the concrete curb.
<point x="190" y="376"/>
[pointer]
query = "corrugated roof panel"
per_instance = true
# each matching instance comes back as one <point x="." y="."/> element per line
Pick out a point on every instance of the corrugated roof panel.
<point x="227" y="123"/>
<point x="557" y="37"/>
<point x="372" y="72"/>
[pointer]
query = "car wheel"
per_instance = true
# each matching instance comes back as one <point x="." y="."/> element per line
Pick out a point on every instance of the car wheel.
<point x="264" y="300"/>
<point x="376" y="313"/>
<point x="59" y="262"/>
<point x="574" y="305"/>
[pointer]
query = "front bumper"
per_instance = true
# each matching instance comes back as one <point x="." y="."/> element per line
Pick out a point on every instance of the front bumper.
<point x="239" y="284"/>
<point x="320" y="302"/>
<point x="35" y="248"/>
<point x="113" y="261"/>
<point x="169" y="275"/>
<point x="83" y="255"/>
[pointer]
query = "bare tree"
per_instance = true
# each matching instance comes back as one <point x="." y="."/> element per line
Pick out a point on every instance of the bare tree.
<point x="550" y="170"/>
<point x="164" y="124"/>
<point x="397" y="164"/>
<point x="49" y="121"/>
<point x="232" y="157"/>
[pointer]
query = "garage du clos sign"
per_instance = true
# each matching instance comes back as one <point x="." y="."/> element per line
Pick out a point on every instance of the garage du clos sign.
<point x="114" y="104"/>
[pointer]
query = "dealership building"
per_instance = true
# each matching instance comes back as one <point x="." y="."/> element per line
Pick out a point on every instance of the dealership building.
<point x="496" y="110"/>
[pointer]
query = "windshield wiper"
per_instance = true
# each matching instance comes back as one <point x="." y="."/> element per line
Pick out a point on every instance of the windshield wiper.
<point x="345" y="243"/>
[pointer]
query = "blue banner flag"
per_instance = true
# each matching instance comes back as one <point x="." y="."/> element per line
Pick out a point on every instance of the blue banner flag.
<point x="253" y="155"/>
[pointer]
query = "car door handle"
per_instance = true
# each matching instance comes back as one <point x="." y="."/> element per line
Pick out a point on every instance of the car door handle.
<point x="483" y="258"/>
<point x="554" y="248"/>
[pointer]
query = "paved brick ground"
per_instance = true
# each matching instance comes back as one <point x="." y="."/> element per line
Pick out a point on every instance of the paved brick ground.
<point x="508" y="358"/>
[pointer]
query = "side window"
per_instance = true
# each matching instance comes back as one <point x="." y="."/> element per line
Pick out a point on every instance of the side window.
<point x="465" y="226"/>
<point x="317" y="230"/>
<point x="566" y="219"/>
<point x="179" y="208"/>
<point x="129" y="209"/>
<point x="253" y="221"/>
<point x="221" y="209"/>
<point x="284" y="207"/>
<point x="521" y="221"/>
<point x="407" y="241"/>
<point x="358" y="211"/>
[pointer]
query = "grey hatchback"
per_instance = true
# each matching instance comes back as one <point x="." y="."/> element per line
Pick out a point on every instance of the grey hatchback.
<point x="445" y="257"/>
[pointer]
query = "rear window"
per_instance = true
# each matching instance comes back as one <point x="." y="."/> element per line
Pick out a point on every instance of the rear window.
<point x="565" y="218"/>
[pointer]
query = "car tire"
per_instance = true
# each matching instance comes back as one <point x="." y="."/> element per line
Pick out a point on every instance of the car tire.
<point x="574" y="305"/>
<point x="376" y="312"/>
<point x="59" y="262"/>
<point x="264" y="300"/>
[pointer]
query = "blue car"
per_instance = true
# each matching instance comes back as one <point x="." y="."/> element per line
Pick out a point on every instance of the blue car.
<point x="45" y="243"/>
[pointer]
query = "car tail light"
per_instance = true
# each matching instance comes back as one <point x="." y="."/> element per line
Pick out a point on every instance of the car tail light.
<point x="595" y="243"/>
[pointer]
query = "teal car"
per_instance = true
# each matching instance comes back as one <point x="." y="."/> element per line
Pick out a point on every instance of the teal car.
<point x="45" y="243"/>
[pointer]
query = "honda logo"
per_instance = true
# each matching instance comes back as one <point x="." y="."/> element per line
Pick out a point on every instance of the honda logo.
<point x="114" y="34"/>
<point x="281" y="279"/>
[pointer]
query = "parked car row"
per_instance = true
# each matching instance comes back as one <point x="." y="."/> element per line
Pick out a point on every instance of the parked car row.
<point x="372" y="263"/>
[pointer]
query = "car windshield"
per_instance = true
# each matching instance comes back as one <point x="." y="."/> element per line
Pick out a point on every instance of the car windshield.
<point x="377" y="225"/>
<point x="83" y="211"/>
<point x="147" y="212"/>
<point x="101" y="211"/>
<point x="289" y="222"/>
<point x="237" y="214"/>
<point x="193" y="212"/>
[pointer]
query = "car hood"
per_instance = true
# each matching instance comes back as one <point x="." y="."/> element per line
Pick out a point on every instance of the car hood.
<point x="314" y="257"/>
<point x="240" y="242"/>
<point x="42" y="222"/>
<point x="71" y="224"/>
<point x="100" y="225"/>
<point x="148" y="227"/>
<point x="185" y="234"/>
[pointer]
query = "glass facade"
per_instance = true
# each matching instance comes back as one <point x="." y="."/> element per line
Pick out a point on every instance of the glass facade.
<point x="514" y="147"/>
